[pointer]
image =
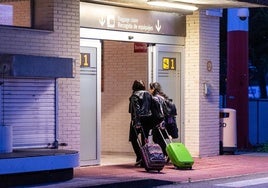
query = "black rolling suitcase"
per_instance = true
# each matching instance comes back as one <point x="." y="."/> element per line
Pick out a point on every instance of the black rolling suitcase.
<point x="152" y="156"/>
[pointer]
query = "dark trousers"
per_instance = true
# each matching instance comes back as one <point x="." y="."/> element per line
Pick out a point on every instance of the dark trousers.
<point x="133" y="138"/>
<point x="157" y="138"/>
<point x="134" y="133"/>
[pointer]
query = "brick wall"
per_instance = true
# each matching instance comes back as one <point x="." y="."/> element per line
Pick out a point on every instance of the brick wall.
<point x="62" y="42"/>
<point x="209" y="116"/>
<point x="191" y="85"/>
<point x="121" y="67"/>
<point x="202" y="112"/>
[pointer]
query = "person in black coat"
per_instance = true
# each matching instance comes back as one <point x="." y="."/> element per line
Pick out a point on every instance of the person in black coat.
<point x="168" y="121"/>
<point x="140" y="110"/>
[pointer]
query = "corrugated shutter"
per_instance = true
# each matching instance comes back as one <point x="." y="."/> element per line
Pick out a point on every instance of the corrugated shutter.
<point x="29" y="107"/>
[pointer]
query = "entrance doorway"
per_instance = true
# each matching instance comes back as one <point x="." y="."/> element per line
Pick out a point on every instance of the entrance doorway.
<point x="120" y="65"/>
<point x="165" y="62"/>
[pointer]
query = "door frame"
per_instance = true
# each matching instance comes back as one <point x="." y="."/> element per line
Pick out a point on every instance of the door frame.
<point x="95" y="44"/>
<point x="153" y="77"/>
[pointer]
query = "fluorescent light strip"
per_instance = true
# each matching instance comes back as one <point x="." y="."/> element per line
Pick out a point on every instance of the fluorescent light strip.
<point x="172" y="5"/>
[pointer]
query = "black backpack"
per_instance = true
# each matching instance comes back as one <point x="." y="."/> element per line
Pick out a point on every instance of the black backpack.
<point x="170" y="108"/>
<point x="157" y="109"/>
<point x="170" y="119"/>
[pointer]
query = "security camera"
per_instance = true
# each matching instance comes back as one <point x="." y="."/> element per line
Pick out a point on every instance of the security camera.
<point x="243" y="13"/>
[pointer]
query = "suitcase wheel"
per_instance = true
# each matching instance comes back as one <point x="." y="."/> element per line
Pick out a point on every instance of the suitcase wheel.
<point x="147" y="170"/>
<point x="190" y="167"/>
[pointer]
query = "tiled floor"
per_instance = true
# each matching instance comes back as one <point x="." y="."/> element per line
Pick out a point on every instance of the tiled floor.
<point x="117" y="158"/>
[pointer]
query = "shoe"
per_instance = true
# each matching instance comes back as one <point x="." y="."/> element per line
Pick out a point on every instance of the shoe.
<point x="138" y="163"/>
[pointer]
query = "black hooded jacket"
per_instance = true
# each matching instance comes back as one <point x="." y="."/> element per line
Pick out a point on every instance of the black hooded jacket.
<point x="140" y="106"/>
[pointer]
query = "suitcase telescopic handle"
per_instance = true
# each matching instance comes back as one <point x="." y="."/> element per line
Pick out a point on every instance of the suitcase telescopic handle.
<point x="159" y="129"/>
<point x="142" y="132"/>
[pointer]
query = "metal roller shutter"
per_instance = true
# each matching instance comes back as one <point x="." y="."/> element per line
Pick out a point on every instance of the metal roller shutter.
<point x="29" y="107"/>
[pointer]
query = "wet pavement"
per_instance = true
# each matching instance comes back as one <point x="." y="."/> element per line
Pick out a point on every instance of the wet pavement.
<point x="206" y="168"/>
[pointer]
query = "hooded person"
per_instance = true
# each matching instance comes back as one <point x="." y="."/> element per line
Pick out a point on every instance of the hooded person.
<point x="140" y="110"/>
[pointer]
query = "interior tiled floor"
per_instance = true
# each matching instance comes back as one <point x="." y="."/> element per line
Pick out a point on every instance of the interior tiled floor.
<point x="117" y="158"/>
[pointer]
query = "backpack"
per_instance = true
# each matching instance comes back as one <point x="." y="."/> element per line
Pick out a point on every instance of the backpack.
<point x="167" y="107"/>
<point x="171" y="109"/>
<point x="157" y="110"/>
<point x="170" y="119"/>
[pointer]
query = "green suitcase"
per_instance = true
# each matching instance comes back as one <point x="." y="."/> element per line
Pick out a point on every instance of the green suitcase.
<point x="179" y="155"/>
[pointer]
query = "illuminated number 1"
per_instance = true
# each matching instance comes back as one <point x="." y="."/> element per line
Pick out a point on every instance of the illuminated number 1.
<point x="86" y="60"/>
<point x="173" y="62"/>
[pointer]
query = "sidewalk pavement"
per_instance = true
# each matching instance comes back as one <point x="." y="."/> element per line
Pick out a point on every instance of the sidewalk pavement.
<point x="205" y="168"/>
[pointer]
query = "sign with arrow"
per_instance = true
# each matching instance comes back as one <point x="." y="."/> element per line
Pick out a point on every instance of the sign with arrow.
<point x="158" y="26"/>
<point x="132" y="20"/>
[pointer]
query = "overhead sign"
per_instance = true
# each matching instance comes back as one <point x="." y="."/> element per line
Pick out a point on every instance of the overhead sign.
<point x="134" y="20"/>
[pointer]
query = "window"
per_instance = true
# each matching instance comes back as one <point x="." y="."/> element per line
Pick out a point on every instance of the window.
<point x="35" y="14"/>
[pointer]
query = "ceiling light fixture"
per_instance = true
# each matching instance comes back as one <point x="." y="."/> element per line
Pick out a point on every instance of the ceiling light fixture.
<point x="172" y="4"/>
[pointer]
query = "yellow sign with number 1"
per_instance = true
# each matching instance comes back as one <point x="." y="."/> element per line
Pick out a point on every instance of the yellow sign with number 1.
<point x="169" y="63"/>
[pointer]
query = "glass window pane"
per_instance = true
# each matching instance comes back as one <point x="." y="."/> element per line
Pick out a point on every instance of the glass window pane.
<point x="15" y="13"/>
